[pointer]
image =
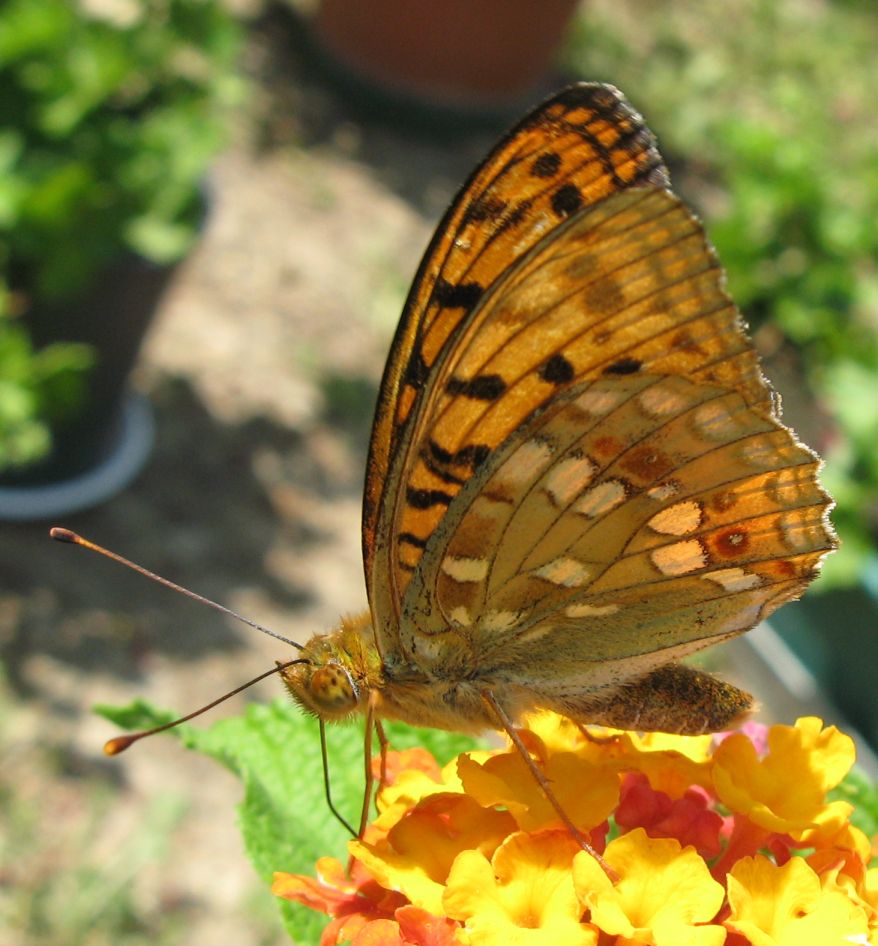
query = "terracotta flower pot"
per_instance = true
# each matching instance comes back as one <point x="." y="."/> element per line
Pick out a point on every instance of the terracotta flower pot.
<point x="475" y="53"/>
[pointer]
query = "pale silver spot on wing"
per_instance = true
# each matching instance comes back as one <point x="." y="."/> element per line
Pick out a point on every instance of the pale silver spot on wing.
<point x="465" y="569"/>
<point x="600" y="499"/>
<point x="798" y="533"/>
<point x="663" y="491"/>
<point x="564" y="571"/>
<point x="790" y="487"/>
<point x="680" y="558"/>
<point x="590" y="610"/>
<point x="734" y="579"/>
<point x="526" y="463"/>
<point x="763" y="456"/>
<point x="568" y="478"/>
<point x="598" y="402"/>
<point x="660" y="401"/>
<point x="501" y="620"/>
<point x="461" y="617"/>
<point x="679" y="519"/>
<point x="716" y="422"/>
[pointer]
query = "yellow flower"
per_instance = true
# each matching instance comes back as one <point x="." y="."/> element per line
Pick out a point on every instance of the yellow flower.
<point x="785" y="791"/>
<point x="664" y="894"/>
<point x="410" y="779"/>
<point x="787" y="906"/>
<point x="418" y="851"/>
<point x="588" y="793"/>
<point x="673" y="764"/>
<point x="523" y="896"/>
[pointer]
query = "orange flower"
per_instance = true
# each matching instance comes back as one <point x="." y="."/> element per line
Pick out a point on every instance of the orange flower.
<point x="353" y="901"/>
<point x="588" y="793"/>
<point x="419" y="850"/>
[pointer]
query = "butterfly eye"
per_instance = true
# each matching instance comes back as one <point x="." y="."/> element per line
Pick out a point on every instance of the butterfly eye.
<point x="333" y="690"/>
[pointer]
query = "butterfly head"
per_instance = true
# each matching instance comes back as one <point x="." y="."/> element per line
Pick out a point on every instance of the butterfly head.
<point x="334" y="677"/>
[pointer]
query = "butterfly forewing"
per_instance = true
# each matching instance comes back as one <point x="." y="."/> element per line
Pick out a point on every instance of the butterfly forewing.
<point x="571" y="152"/>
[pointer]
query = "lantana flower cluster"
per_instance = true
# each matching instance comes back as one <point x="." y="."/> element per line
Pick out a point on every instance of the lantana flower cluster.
<point x="712" y="840"/>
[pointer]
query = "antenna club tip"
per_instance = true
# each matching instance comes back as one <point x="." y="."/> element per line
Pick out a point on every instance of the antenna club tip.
<point x="62" y="535"/>
<point x="117" y="745"/>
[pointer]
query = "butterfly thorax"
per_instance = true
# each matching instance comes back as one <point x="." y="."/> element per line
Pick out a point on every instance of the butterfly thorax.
<point x="338" y="671"/>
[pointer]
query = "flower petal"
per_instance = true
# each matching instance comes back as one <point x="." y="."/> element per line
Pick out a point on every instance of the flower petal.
<point x="786" y="906"/>
<point x="523" y="895"/>
<point x="786" y="790"/>
<point x="664" y="894"/>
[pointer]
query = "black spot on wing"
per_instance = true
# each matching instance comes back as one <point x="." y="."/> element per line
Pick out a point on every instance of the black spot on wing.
<point x="472" y="455"/>
<point x="484" y="208"/>
<point x="624" y="366"/>
<point x="557" y="370"/>
<point x="464" y="295"/>
<point x="515" y="216"/>
<point x="427" y="498"/>
<point x="483" y="387"/>
<point x="416" y="370"/>
<point x="546" y="165"/>
<point x="409" y="538"/>
<point x="566" y="200"/>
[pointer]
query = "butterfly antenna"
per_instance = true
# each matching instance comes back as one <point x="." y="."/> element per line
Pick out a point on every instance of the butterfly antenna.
<point x="121" y="743"/>
<point x="66" y="535"/>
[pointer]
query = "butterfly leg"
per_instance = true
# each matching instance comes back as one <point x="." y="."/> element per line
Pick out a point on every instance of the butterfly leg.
<point x="507" y="724"/>
<point x="383" y="744"/>
<point x="371" y="722"/>
<point x="326" y="790"/>
<point x="589" y="736"/>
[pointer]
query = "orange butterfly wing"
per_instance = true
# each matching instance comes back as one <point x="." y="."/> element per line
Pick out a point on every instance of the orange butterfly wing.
<point x="575" y="149"/>
<point x="686" y="537"/>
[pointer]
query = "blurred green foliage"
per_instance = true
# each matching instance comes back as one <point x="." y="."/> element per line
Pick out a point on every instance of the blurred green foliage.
<point x="110" y="112"/>
<point x="109" y="122"/>
<point x="765" y="110"/>
<point x="36" y="388"/>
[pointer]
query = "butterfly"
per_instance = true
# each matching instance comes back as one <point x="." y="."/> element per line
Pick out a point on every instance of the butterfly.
<point x="577" y="473"/>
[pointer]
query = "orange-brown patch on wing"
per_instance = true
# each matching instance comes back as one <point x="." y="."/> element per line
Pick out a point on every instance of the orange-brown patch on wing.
<point x="603" y="295"/>
<point x="683" y="341"/>
<point x="607" y="447"/>
<point x="783" y="568"/>
<point x="723" y="500"/>
<point x="647" y="464"/>
<point x="730" y="543"/>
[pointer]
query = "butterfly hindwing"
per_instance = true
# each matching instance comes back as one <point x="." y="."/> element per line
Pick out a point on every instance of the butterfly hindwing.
<point x="632" y="521"/>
